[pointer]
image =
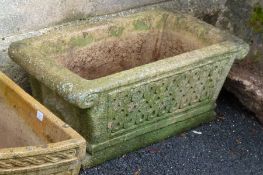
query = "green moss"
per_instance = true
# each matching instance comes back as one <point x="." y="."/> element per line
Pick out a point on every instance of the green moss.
<point x="116" y="31"/>
<point x="256" y="19"/>
<point x="50" y="47"/>
<point x="80" y="41"/>
<point x="72" y="16"/>
<point x="59" y="45"/>
<point x="162" y="21"/>
<point x="257" y="56"/>
<point x="141" y="24"/>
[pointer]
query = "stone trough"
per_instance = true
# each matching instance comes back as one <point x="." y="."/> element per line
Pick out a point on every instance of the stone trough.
<point x="32" y="140"/>
<point x="127" y="82"/>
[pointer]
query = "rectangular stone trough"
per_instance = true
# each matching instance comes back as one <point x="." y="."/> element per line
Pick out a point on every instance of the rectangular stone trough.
<point x="127" y="82"/>
<point x="32" y="140"/>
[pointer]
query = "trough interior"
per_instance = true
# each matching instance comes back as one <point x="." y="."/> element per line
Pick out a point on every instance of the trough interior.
<point x="14" y="132"/>
<point x="19" y="126"/>
<point x="116" y="54"/>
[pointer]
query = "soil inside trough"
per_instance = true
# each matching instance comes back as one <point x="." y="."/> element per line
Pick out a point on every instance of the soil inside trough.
<point x="117" y="54"/>
<point x="14" y="132"/>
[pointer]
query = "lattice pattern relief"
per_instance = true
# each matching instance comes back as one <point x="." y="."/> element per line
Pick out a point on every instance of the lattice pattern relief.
<point x="134" y="106"/>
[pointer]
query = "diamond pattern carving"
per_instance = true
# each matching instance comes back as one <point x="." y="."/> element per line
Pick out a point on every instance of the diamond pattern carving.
<point x="138" y="105"/>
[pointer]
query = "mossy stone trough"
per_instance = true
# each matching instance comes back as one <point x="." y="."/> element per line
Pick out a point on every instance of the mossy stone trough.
<point x="127" y="82"/>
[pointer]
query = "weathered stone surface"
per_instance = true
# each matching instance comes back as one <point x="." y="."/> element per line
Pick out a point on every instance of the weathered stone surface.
<point x="248" y="88"/>
<point x="244" y="18"/>
<point x="19" y="17"/>
<point x="240" y="18"/>
<point x="7" y="66"/>
<point x="175" y="66"/>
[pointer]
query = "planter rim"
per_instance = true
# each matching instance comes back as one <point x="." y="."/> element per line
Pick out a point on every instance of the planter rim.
<point x="75" y="139"/>
<point x="82" y="92"/>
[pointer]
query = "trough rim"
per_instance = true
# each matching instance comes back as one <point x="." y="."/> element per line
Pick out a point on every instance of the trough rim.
<point x="82" y="92"/>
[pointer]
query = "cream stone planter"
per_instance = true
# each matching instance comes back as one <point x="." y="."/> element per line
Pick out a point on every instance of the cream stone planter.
<point x="127" y="82"/>
<point x="32" y="140"/>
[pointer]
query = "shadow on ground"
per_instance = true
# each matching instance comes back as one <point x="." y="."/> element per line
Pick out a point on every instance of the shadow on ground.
<point x="232" y="144"/>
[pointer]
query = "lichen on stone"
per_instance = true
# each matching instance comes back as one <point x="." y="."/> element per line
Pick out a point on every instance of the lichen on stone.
<point x="80" y="41"/>
<point x="49" y="47"/>
<point x="116" y="31"/>
<point x="162" y="21"/>
<point x="256" y="19"/>
<point x="142" y="24"/>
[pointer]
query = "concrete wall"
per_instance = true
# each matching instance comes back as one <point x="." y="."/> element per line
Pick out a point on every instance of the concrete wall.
<point x="19" y="16"/>
<point x="25" y="18"/>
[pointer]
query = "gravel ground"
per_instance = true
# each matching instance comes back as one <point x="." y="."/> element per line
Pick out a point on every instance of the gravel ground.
<point x="232" y="144"/>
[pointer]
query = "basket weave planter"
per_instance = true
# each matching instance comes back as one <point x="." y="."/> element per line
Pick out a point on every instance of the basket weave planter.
<point x="127" y="82"/>
<point x="32" y="140"/>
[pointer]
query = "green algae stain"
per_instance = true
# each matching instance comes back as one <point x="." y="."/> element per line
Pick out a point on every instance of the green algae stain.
<point x="161" y="23"/>
<point x="81" y="41"/>
<point x="50" y="47"/>
<point x="141" y="24"/>
<point x="256" y="19"/>
<point x="73" y="16"/>
<point x="257" y="56"/>
<point x="116" y="31"/>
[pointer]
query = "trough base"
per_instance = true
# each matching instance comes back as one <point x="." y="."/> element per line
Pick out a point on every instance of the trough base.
<point x="147" y="139"/>
<point x="143" y="136"/>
